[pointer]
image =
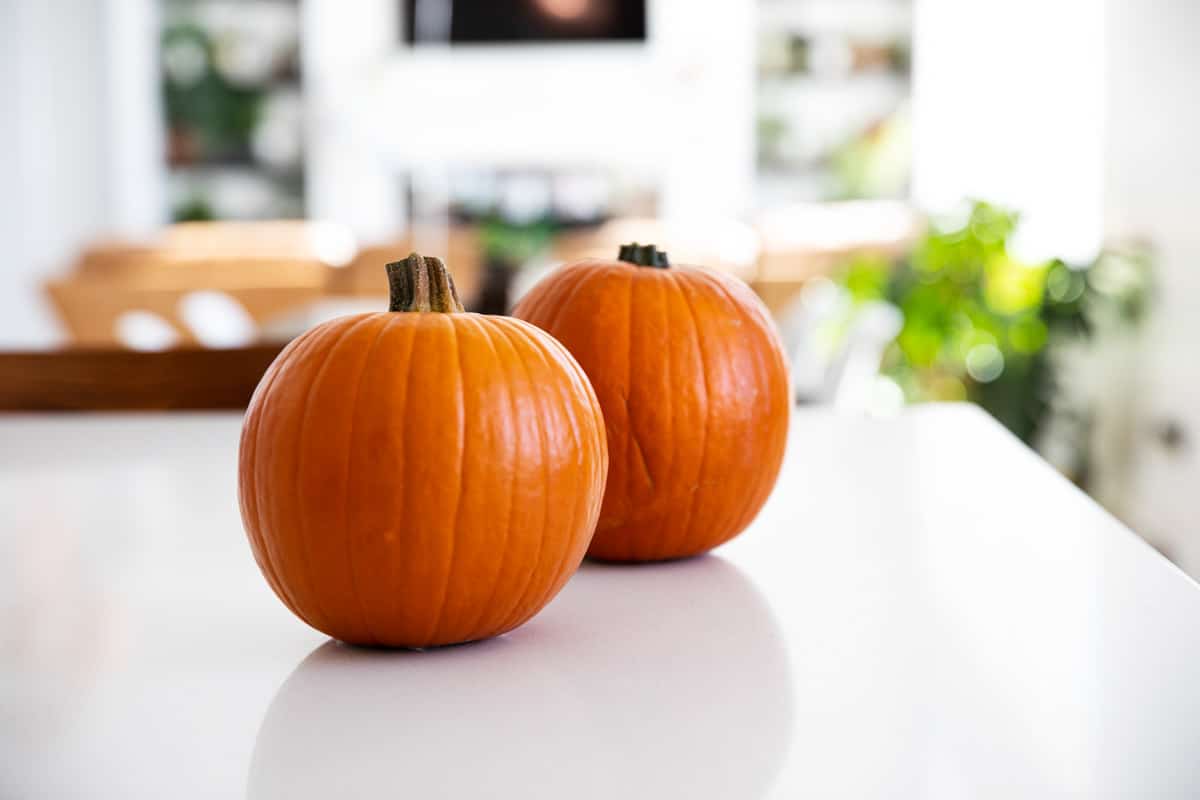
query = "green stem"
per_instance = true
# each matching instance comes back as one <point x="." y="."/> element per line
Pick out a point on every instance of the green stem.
<point x="422" y="283"/>
<point x="644" y="255"/>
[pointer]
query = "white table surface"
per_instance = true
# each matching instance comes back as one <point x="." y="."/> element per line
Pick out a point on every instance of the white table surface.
<point x="923" y="610"/>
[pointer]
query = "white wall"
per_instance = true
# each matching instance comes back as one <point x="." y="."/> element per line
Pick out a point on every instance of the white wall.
<point x="1153" y="191"/>
<point x="136" y="178"/>
<point x="77" y="150"/>
<point x="52" y="154"/>
<point x="1008" y="106"/>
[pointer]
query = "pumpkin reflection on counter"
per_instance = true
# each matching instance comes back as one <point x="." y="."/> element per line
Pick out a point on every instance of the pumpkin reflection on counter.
<point x="421" y="476"/>
<point x="691" y="376"/>
<point x="553" y="710"/>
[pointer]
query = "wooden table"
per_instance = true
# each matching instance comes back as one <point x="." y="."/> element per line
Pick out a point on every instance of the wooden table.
<point x="110" y="379"/>
<point x="923" y="610"/>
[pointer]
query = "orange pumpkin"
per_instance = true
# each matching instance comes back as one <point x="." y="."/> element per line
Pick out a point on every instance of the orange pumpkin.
<point x="421" y="476"/>
<point x="693" y="382"/>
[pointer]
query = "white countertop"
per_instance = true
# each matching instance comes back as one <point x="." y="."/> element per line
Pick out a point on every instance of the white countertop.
<point x="923" y="610"/>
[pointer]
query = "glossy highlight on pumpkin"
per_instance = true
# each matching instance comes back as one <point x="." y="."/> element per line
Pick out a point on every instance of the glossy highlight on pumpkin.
<point x="693" y="382"/>
<point x="421" y="477"/>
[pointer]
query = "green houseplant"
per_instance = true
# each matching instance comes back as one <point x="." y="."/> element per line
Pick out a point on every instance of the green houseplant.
<point x="981" y="325"/>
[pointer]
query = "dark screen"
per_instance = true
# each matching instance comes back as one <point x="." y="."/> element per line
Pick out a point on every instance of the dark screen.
<point x="479" y="21"/>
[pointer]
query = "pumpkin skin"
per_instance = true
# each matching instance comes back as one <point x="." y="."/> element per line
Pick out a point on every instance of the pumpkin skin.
<point x="419" y="478"/>
<point x="693" y="382"/>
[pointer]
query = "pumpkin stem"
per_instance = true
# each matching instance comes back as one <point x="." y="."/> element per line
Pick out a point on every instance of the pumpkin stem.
<point x="422" y="283"/>
<point x="644" y="255"/>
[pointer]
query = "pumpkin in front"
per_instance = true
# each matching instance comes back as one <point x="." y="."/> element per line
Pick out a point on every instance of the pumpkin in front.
<point x="421" y="476"/>
<point x="691" y="375"/>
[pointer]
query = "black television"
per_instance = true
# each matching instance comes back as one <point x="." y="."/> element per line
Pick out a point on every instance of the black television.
<point x="515" y="21"/>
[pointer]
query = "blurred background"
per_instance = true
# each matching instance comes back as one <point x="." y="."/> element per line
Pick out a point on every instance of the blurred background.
<point x="940" y="200"/>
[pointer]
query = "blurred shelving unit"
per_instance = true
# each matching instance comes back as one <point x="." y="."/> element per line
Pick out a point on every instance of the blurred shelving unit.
<point x="832" y="97"/>
<point x="233" y="107"/>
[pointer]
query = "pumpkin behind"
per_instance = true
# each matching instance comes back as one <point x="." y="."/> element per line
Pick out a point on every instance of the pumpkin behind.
<point x="416" y="478"/>
<point x="692" y="379"/>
